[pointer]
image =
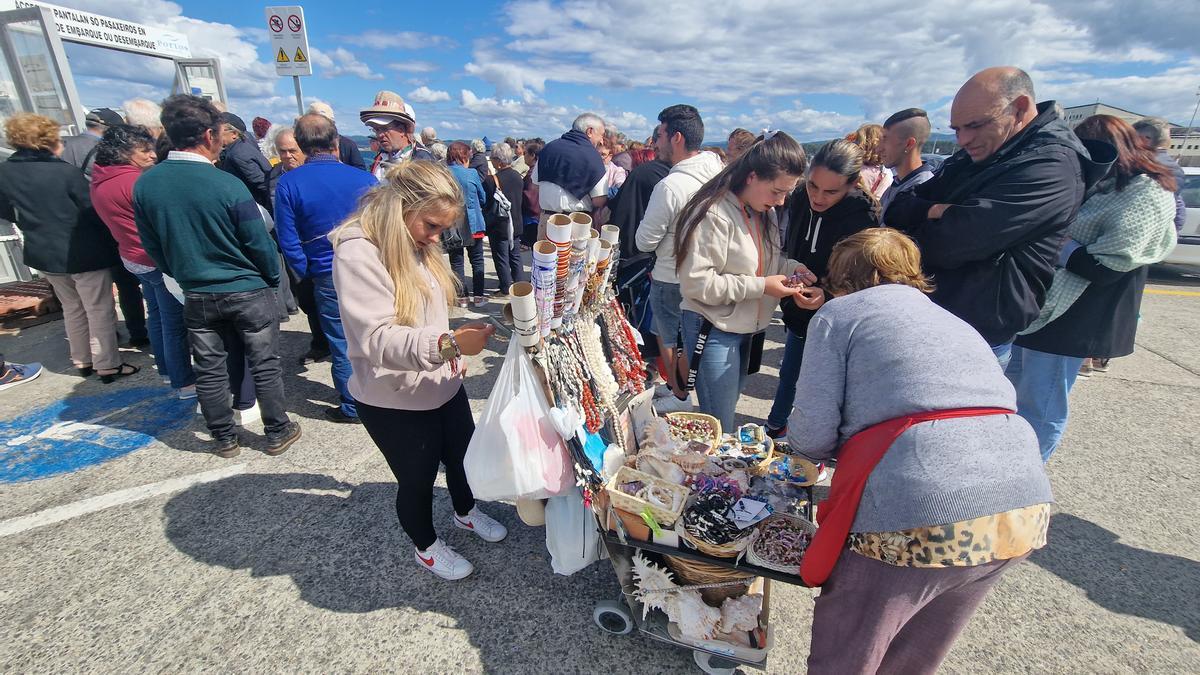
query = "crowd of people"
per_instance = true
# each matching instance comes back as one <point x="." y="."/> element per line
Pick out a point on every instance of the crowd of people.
<point x="936" y="317"/>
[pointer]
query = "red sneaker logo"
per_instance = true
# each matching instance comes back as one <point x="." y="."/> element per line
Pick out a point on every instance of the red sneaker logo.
<point x="428" y="562"/>
<point x="469" y="526"/>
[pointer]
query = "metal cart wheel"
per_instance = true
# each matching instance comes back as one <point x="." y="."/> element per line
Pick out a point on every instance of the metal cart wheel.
<point x="714" y="665"/>
<point x="612" y="616"/>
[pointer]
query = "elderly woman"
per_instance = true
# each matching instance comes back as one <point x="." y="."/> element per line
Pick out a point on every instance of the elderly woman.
<point x="121" y="156"/>
<point x="939" y="488"/>
<point x="65" y="241"/>
<point x="503" y="230"/>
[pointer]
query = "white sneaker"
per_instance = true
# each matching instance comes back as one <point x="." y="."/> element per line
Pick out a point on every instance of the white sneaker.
<point x="663" y="391"/>
<point x="248" y="416"/>
<point x="186" y="393"/>
<point x="443" y="561"/>
<point x="481" y="524"/>
<point x="670" y="404"/>
<point x="822" y="472"/>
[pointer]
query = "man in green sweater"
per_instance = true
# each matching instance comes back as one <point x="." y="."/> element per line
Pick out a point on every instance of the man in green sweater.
<point x="202" y="227"/>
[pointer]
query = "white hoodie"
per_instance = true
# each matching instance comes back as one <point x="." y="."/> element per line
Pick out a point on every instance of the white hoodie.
<point x="656" y="233"/>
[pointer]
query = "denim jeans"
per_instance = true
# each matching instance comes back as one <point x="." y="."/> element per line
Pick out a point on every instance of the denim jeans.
<point x="1003" y="354"/>
<point x="331" y="325"/>
<point x="721" y="373"/>
<point x="168" y="335"/>
<point x="253" y="316"/>
<point x="474" y="248"/>
<point x="665" y="300"/>
<point x="1043" y="383"/>
<point x="506" y="256"/>
<point x="789" y="372"/>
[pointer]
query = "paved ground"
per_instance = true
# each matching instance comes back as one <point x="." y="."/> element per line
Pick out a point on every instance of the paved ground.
<point x="296" y="563"/>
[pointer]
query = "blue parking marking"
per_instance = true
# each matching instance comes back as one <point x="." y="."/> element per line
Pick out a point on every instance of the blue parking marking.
<point x="82" y="431"/>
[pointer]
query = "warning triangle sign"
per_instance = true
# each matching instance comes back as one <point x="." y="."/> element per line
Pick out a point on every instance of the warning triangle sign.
<point x="282" y="56"/>
<point x="300" y="57"/>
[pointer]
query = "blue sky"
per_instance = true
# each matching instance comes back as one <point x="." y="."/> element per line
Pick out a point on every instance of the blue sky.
<point x="527" y="67"/>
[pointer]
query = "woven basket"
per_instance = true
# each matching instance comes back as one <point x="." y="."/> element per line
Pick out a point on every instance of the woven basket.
<point x="713" y="423"/>
<point x="752" y="557"/>
<point x="775" y="453"/>
<point x="730" y="550"/>
<point x="691" y="572"/>
<point x="635" y="505"/>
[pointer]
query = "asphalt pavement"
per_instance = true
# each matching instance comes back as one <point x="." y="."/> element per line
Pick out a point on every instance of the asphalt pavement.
<point x="127" y="547"/>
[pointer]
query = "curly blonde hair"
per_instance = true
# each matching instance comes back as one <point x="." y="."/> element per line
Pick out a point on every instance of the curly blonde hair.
<point x="868" y="137"/>
<point x="873" y="257"/>
<point x="26" y="131"/>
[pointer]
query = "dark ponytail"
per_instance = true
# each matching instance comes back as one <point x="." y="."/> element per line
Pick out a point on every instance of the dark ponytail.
<point x="767" y="159"/>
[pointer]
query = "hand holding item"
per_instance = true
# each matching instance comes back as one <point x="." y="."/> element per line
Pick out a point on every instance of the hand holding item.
<point x="937" y="210"/>
<point x="777" y="287"/>
<point x="473" y="337"/>
<point x="804" y="275"/>
<point x="810" y="298"/>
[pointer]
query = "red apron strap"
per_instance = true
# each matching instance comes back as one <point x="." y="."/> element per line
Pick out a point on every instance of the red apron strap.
<point x="857" y="458"/>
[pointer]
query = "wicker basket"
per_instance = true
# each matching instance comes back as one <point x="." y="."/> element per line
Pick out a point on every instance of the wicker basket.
<point x="752" y="557"/>
<point x="713" y="423"/>
<point x="775" y="453"/>
<point x="636" y="505"/>
<point x="691" y="572"/>
<point x="730" y="550"/>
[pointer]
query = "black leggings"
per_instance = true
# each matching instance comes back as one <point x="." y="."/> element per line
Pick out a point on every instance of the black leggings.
<point x="414" y="442"/>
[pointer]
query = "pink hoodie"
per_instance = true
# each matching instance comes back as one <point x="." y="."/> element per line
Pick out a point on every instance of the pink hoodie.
<point x="394" y="366"/>
<point x="112" y="196"/>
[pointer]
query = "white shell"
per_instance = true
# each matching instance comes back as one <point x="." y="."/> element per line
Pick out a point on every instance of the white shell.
<point x="740" y="613"/>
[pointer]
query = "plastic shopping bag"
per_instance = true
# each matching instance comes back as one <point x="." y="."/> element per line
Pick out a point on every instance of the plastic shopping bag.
<point x="516" y="451"/>
<point x="571" y="535"/>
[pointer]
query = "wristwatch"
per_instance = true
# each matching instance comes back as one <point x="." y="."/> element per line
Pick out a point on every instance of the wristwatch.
<point x="448" y="347"/>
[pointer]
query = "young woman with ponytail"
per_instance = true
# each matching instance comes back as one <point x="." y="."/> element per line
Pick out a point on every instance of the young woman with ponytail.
<point x="832" y="204"/>
<point x="732" y="270"/>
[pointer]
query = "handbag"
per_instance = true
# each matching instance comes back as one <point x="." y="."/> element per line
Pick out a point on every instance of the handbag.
<point x="452" y="239"/>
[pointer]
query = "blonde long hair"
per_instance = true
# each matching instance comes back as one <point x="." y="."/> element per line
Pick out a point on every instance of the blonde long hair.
<point x="408" y="190"/>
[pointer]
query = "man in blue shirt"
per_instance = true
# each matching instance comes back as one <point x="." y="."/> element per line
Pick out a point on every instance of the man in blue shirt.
<point x="311" y="200"/>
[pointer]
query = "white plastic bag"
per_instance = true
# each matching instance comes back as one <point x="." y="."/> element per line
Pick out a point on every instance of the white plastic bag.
<point x="516" y="451"/>
<point x="571" y="536"/>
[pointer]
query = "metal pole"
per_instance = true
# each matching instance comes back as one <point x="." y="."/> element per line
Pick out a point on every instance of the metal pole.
<point x="299" y="94"/>
<point x="1188" y="137"/>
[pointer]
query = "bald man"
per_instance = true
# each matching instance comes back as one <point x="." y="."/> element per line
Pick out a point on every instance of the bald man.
<point x="991" y="222"/>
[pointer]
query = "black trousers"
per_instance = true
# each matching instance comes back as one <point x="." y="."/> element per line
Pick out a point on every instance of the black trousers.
<point x="414" y="442"/>
<point x="133" y="306"/>
<point x="254" y="317"/>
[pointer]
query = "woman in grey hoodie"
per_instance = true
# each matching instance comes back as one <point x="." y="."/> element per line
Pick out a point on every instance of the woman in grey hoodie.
<point x="951" y="505"/>
<point x="394" y="288"/>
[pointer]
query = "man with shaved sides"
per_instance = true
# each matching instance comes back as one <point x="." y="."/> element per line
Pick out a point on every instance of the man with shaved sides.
<point x="904" y="134"/>
<point x="991" y="222"/>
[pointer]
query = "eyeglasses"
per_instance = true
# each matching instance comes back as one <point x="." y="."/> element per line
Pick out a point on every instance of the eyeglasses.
<point x="390" y="126"/>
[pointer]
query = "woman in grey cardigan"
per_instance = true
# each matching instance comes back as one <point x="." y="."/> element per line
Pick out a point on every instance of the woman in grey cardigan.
<point x="952" y="504"/>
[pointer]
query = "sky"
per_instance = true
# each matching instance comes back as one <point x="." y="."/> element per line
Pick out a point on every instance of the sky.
<point x="527" y="67"/>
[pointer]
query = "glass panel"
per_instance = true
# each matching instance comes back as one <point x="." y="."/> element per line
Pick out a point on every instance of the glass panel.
<point x="1191" y="191"/>
<point x="201" y="81"/>
<point x="10" y="103"/>
<point x="37" y="64"/>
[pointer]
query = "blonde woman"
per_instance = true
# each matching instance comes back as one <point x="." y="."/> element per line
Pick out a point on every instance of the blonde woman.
<point x="394" y="288"/>
<point x="875" y="177"/>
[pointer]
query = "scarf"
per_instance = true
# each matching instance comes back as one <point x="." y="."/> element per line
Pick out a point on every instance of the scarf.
<point x="572" y="163"/>
<point x="1123" y="230"/>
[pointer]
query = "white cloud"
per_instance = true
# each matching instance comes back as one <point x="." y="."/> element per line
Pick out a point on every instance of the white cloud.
<point x="426" y="95"/>
<point x="403" y="39"/>
<point x="341" y="62"/>
<point x="413" y="66"/>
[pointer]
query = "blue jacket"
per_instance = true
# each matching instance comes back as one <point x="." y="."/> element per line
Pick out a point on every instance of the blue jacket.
<point x="472" y="186"/>
<point x="311" y="200"/>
